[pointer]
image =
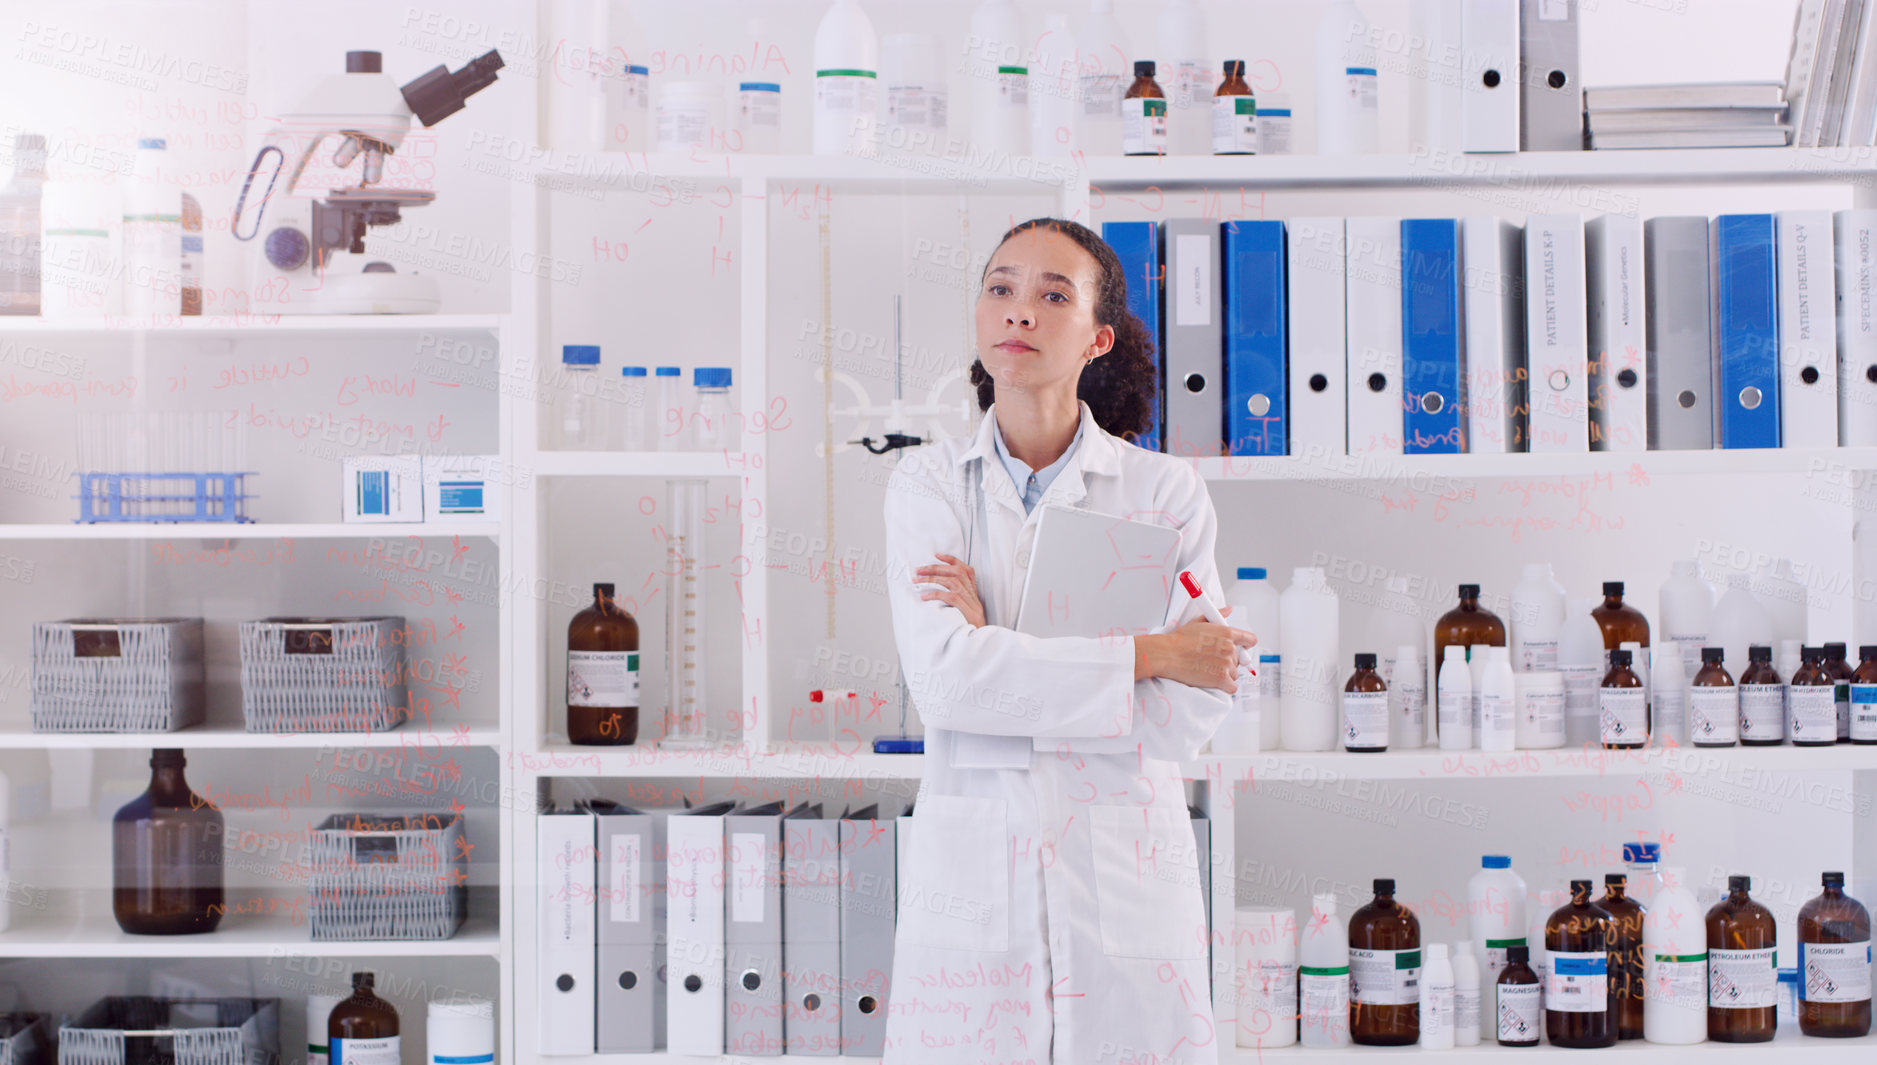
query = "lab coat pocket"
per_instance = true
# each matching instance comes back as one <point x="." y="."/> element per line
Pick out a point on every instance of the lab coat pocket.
<point x="957" y="893"/>
<point x="1146" y="882"/>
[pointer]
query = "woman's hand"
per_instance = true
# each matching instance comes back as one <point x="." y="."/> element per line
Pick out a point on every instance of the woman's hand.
<point x="1198" y="653"/>
<point x="960" y="588"/>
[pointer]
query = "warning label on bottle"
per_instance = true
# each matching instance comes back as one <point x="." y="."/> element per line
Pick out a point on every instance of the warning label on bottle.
<point x="1518" y="1007"/>
<point x="1762" y="712"/>
<point x="1579" y="982"/>
<point x="1713" y="715"/>
<point x="1679" y="981"/>
<point x="1742" y="979"/>
<point x="1385" y="977"/>
<point x="1814" y="713"/>
<point x="603" y="678"/>
<point x="1834" y="972"/>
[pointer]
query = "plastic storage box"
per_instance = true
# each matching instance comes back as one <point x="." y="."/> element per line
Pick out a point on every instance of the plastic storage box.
<point x="323" y="674"/>
<point x="25" y="1039"/>
<point x="387" y="876"/>
<point x="139" y="1030"/>
<point x="117" y="675"/>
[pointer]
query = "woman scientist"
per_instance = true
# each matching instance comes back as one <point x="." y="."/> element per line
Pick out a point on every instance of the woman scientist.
<point x="1051" y="908"/>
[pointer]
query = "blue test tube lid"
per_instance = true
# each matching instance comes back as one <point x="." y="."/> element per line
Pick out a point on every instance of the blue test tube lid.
<point x="580" y="354"/>
<point x="711" y="377"/>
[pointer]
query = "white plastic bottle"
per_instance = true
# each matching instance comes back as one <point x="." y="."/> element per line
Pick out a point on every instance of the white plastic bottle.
<point x="19" y="226"/>
<point x="1642" y="865"/>
<point x="1740" y="620"/>
<point x="1466" y="991"/>
<point x="1580" y="659"/>
<point x="1498" y="705"/>
<point x="1392" y="622"/>
<point x="1495" y="919"/>
<point x="1436" y="993"/>
<point x="847" y="92"/>
<point x="913" y="77"/>
<point x="1548" y="901"/>
<point x="1187" y="78"/>
<point x="1347" y="120"/>
<point x="1308" y="619"/>
<point x="1323" y="976"/>
<point x="1254" y="604"/>
<point x="460" y="1031"/>
<point x="1455" y="684"/>
<point x="1536" y="619"/>
<point x="1784" y="599"/>
<point x="1685" y="609"/>
<point x="1055" y="109"/>
<point x="577" y="76"/>
<point x="81" y="249"/>
<point x="152" y="234"/>
<point x="1668" y="700"/>
<point x="1266" y="956"/>
<point x="1407" y="695"/>
<point x="1675" y="959"/>
<point x="998" y="73"/>
<point x="1107" y="68"/>
<point x="1476" y="673"/>
<point x="318" y="1011"/>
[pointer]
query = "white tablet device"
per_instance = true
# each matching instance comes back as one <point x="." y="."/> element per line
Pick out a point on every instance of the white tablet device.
<point x="1095" y="574"/>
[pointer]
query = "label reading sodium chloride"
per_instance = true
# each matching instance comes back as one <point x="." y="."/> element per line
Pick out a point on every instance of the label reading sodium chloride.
<point x="1385" y="977"/>
<point x="1834" y="972"/>
<point x="1579" y="982"/>
<point x="1762" y="712"/>
<point x="1517" y="1009"/>
<point x="1742" y="979"/>
<point x="603" y="678"/>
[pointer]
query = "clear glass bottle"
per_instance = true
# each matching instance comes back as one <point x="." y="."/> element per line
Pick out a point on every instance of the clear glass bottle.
<point x="19" y="226"/>
<point x="1762" y="700"/>
<point x="668" y="429"/>
<point x="1626" y="965"/>
<point x="152" y="234"/>
<point x="633" y="405"/>
<point x="1622" y="706"/>
<point x="711" y="427"/>
<point x="1834" y="959"/>
<point x="1812" y="712"/>
<point x="578" y="422"/>
<point x="1578" y="998"/>
<point x="685" y="668"/>
<point x="1518" y="999"/>
<point x="1713" y="703"/>
<point x="1743" y="979"/>
<point x="363" y="1029"/>
<point x="166" y="854"/>
<point x="1384" y="971"/>
<point x="1144" y="113"/>
<point x="1234" y="113"/>
<point x="1365" y="708"/>
<point x="603" y="673"/>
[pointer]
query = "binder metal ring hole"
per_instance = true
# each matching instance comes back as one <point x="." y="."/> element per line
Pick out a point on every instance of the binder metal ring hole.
<point x="1490" y="78"/>
<point x="1195" y="382"/>
<point x="1378" y="381"/>
<point x="1432" y="403"/>
<point x="1559" y="380"/>
<point x="628" y="980"/>
<point x="868" y="1004"/>
<point x="1870" y="374"/>
<point x="1556" y="79"/>
<point x="752" y="980"/>
<point x="1259" y="405"/>
<point x="564" y="982"/>
<point x="1750" y="398"/>
<point x="1685" y="399"/>
<point x="1809" y="375"/>
<point x="1320" y="383"/>
<point x="694" y="983"/>
<point x="1626" y="378"/>
<point x="811" y="1002"/>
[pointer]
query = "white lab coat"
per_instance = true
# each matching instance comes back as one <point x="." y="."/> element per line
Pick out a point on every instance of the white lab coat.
<point x="1050" y="909"/>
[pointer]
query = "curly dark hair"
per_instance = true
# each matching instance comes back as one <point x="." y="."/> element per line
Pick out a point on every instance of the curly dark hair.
<point x="1122" y="387"/>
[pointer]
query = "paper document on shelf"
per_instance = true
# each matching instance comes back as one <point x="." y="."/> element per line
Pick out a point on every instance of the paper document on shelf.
<point x="1094" y="575"/>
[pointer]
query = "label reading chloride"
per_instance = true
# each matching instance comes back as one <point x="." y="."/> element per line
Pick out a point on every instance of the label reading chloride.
<point x="1579" y="982"/>
<point x="1814" y="713"/>
<point x="1834" y="972"/>
<point x="1742" y="979"/>
<point x="1385" y="977"/>
<point x="603" y="678"/>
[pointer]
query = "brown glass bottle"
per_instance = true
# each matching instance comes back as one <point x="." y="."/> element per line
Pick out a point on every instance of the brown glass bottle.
<point x="1384" y="971"/>
<point x="1761" y="682"/>
<point x="166" y="855"/>
<point x="603" y="673"/>
<point x="1622" y="713"/>
<point x="1465" y="625"/>
<point x="1517" y="995"/>
<point x="1234" y="113"/>
<point x="363" y="1029"/>
<point x="1743" y="983"/>
<point x="1811" y="709"/>
<point x="1578" y="999"/>
<point x="1365" y="708"/>
<point x="1620" y="622"/>
<point x="1863" y="715"/>
<point x="1713" y="703"/>
<point x="1626" y="964"/>
<point x="1144" y="125"/>
<point x="1834" y="963"/>
<point x="1840" y="672"/>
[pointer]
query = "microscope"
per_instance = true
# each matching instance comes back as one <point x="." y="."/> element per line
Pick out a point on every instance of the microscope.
<point x="299" y="268"/>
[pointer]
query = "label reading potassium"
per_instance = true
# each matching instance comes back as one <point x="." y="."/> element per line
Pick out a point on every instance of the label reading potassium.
<point x="1834" y="972"/>
<point x="1742" y="979"/>
<point x="1144" y="126"/>
<point x="1234" y="125"/>
<point x="1814" y="713"/>
<point x="1579" y="982"/>
<point x="1762" y="711"/>
<point x="1385" y="977"/>
<point x="1538" y="656"/>
<point x="1864" y="712"/>
<point x="1365" y="719"/>
<point x="366" y="1051"/>
<point x="1713" y="715"/>
<point x="603" y="678"/>
<point x="1623" y="715"/>
<point x="1679" y="981"/>
<point x="1324" y="997"/>
<point x="1517" y="1009"/>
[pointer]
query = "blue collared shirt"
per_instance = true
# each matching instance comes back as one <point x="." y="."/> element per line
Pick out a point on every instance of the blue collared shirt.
<point x="1031" y="484"/>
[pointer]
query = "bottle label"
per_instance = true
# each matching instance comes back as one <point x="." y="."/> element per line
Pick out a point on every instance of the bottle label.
<point x="1101" y="96"/>
<point x="847" y="90"/>
<point x="603" y="678"/>
<point x="1013" y="87"/>
<point x="1466" y="1008"/>
<point x="1190" y="82"/>
<point x="1267" y="993"/>
<point x="761" y="108"/>
<point x="1454" y="712"/>
<point x="1834" y="972"/>
<point x="1538" y="656"/>
<point x="1324" y="997"/>
<point x="1713" y="715"/>
<point x="1385" y="977"/>
<point x="1413" y="703"/>
<point x="1542" y="718"/>
<point x="1814" y="713"/>
<point x="636" y="91"/>
<point x="1679" y="981"/>
<point x="1743" y="979"/>
<point x="366" y="1051"/>
<point x="1365" y="719"/>
<point x="1841" y="694"/>
<point x="1623" y="715"/>
<point x="1864" y="712"/>
<point x="1362" y="87"/>
<point x="1688" y="645"/>
<point x="1144" y="126"/>
<point x="1496" y="958"/>
<point x="1270" y="672"/>
<point x="1762" y="711"/>
<point x="1517" y="1009"/>
<point x="1579" y="982"/>
<point x="1274" y="133"/>
<point x="1496" y="718"/>
<point x="1234" y="125"/>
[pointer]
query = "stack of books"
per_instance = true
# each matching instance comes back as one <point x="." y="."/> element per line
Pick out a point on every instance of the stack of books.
<point x="1723" y="115"/>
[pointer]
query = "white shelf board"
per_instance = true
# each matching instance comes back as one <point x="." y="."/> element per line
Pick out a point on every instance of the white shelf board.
<point x="260" y="530"/>
<point x="1827" y="462"/>
<point x="255" y="325"/>
<point x="789" y="761"/>
<point x="638" y="463"/>
<point x="1811" y="1051"/>
<point x="235" y="736"/>
<point x="891" y="171"/>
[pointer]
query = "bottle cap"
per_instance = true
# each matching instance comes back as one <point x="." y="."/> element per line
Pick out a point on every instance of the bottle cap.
<point x="1640" y="853"/>
<point x="1365" y="661"/>
<point x="1740" y="883"/>
<point x="1453" y="652"/>
<point x="580" y="354"/>
<point x="167" y="757"/>
<point x="632" y="371"/>
<point x="603" y="589"/>
<point x="1437" y="952"/>
<point x="1810" y="654"/>
<point x="1867" y="650"/>
<point x="1580" y="887"/>
<point x="1495" y="861"/>
<point x="1325" y="904"/>
<point x="1712" y="656"/>
<point x="668" y="371"/>
<point x="1384" y="886"/>
<point x="364" y="62"/>
<point x="1143" y="68"/>
<point x="1469" y="591"/>
<point x="1619" y="658"/>
<point x="1251" y="573"/>
<point x="1615" y="879"/>
<point x="1833" y="879"/>
<point x="1613" y="588"/>
<point x="362" y="980"/>
<point x="1759" y="653"/>
<point x="1834" y="650"/>
<point x="710" y="377"/>
<point x="1235" y="68"/>
<point x="1519" y="952"/>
